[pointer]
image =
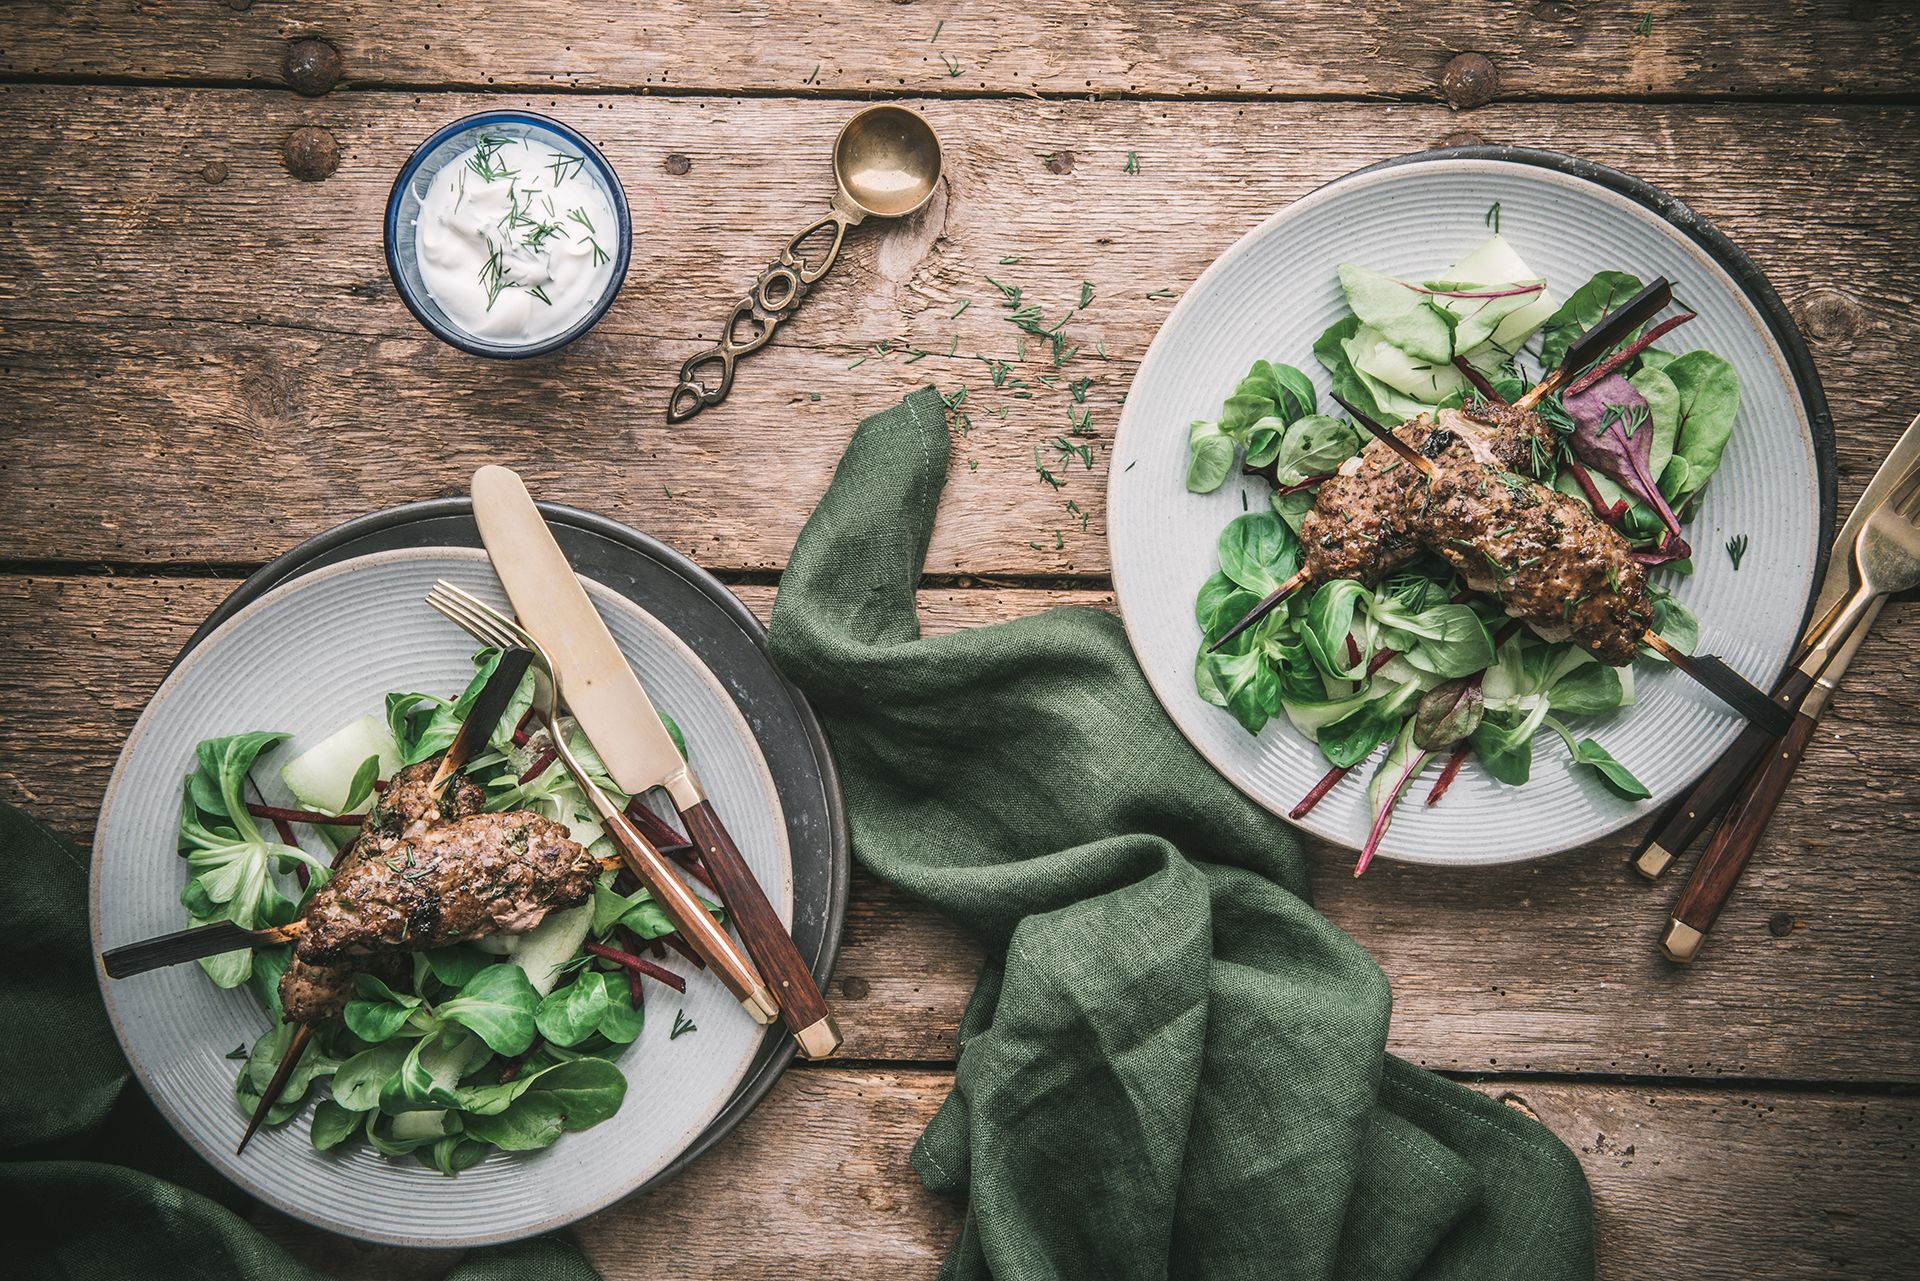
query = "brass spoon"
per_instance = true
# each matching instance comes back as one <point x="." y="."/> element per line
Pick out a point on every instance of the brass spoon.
<point x="886" y="163"/>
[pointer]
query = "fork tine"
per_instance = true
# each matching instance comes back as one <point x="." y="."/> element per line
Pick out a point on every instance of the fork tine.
<point x="460" y="612"/>
<point x="455" y="613"/>
<point x="503" y="624"/>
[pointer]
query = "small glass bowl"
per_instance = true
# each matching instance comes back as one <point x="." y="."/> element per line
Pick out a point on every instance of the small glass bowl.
<point x="403" y="210"/>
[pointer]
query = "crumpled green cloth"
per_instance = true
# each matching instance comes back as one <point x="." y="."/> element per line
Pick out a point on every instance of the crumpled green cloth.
<point x="1172" y="1065"/>
<point x="94" y="1186"/>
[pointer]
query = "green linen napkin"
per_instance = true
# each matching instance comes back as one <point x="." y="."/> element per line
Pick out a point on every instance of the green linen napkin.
<point x="1172" y="1066"/>
<point x="94" y="1186"/>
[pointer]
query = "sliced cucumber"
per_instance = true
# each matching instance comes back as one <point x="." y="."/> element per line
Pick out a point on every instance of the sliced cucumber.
<point x="321" y="775"/>
<point x="551" y="944"/>
<point x="426" y="1124"/>
<point x="1497" y="261"/>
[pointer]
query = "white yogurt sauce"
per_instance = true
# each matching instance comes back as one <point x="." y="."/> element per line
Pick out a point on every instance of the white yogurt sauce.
<point x="515" y="239"/>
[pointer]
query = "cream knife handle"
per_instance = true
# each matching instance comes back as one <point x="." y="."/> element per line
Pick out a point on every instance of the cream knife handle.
<point x="688" y="915"/>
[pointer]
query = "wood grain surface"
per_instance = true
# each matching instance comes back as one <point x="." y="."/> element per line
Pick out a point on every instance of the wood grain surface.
<point x="1826" y="1184"/>
<point x="1545" y="967"/>
<point x="1075" y="47"/>
<point x="218" y="330"/>
<point x="202" y="361"/>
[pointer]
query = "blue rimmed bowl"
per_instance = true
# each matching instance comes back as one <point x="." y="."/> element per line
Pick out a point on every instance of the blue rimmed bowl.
<point x="445" y="147"/>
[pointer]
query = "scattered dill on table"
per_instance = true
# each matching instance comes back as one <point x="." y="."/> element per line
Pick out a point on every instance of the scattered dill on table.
<point x="1133" y="163"/>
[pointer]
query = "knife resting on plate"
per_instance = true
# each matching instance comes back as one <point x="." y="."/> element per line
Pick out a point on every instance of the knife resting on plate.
<point x="618" y="718"/>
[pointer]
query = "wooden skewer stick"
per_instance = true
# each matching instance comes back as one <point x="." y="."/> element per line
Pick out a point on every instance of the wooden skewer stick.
<point x="1612" y="330"/>
<point x="1729" y="686"/>
<point x="1365" y="420"/>
<point x="1261" y="610"/>
<point x="1478" y="380"/>
<point x="278" y="1085"/>
<point x="1413" y="457"/>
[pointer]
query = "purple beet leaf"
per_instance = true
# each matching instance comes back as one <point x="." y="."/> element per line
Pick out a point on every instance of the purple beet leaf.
<point x="1613" y="434"/>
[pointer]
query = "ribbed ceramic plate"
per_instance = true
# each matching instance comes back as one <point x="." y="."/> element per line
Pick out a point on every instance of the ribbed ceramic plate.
<point x="1274" y="292"/>
<point x="307" y="657"/>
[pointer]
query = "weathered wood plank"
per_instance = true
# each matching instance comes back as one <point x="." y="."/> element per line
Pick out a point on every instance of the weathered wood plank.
<point x="1080" y="47"/>
<point x="1824" y="1184"/>
<point x="162" y="333"/>
<point x="1813" y="973"/>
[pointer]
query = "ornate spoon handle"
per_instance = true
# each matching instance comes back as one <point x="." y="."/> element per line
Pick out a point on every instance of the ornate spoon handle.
<point x="775" y="295"/>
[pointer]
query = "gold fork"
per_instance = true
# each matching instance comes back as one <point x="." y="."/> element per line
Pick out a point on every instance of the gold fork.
<point x="714" y="945"/>
<point x="1886" y="558"/>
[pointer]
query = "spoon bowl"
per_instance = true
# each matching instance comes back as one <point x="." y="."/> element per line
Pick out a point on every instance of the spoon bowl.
<point x="887" y="161"/>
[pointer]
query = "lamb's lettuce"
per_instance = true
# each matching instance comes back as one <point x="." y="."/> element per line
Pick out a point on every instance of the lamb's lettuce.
<point x="232" y="864"/>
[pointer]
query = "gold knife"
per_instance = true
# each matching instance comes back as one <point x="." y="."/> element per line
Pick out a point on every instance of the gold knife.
<point x="1685" y="820"/>
<point x="613" y="709"/>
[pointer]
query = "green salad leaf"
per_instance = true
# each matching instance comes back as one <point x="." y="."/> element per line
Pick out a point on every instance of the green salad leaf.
<point x="231" y="864"/>
<point x="1210" y="456"/>
<point x="1708" y="392"/>
<point x="377" y="1011"/>
<point x="1258" y="552"/>
<point x="1589" y="753"/>
<point x="499" y="1005"/>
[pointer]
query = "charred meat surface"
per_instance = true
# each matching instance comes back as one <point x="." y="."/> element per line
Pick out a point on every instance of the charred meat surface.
<point x="1542" y="555"/>
<point x="1364" y="523"/>
<point x="479" y="875"/>
<point x="312" y="993"/>
<point x="1515" y="438"/>
<point x="407" y="808"/>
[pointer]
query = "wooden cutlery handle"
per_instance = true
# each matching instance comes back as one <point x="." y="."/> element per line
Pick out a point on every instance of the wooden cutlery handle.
<point x="768" y="942"/>
<point x="1683" y="822"/>
<point x="1718" y="870"/>
<point x="705" y="937"/>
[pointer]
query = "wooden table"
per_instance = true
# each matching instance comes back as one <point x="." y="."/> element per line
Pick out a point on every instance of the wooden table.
<point x="202" y="361"/>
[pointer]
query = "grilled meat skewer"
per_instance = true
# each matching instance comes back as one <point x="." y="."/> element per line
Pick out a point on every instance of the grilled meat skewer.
<point x="1545" y="557"/>
<point x="462" y="880"/>
<point x="313" y="993"/>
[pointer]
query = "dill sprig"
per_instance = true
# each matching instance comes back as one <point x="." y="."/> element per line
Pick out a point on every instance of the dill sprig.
<point x="1737" y="550"/>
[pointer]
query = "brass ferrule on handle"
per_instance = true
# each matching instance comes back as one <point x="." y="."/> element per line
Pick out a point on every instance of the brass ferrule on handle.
<point x="689" y="915"/>
<point x="1681" y="942"/>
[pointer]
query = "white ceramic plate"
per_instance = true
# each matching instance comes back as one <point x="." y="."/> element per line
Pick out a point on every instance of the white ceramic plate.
<point x="307" y="657"/>
<point x="1271" y="295"/>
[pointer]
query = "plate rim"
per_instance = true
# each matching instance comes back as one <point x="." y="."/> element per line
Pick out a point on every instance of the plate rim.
<point x="210" y="1151"/>
<point x="1747" y="279"/>
<point x="303" y="557"/>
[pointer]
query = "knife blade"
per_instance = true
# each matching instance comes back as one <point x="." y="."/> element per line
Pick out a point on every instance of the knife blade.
<point x="619" y="719"/>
